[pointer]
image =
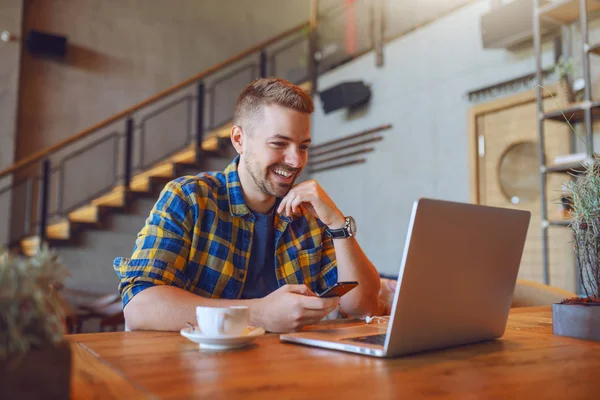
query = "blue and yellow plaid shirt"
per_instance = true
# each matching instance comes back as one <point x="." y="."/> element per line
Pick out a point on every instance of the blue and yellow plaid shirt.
<point x="198" y="237"/>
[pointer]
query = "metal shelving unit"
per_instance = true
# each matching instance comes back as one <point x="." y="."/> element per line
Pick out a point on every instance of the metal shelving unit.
<point x="565" y="12"/>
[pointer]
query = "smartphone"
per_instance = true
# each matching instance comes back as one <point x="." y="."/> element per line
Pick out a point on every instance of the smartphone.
<point x="339" y="289"/>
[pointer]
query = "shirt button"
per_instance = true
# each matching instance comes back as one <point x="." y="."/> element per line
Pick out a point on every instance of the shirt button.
<point x="241" y="275"/>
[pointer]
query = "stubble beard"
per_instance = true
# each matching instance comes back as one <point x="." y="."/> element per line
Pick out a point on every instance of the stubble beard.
<point x="262" y="181"/>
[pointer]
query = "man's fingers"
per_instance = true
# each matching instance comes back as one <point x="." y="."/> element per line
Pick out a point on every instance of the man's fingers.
<point x="282" y="205"/>
<point x="312" y="316"/>
<point x="316" y="303"/>
<point x="300" y="289"/>
<point x="296" y="203"/>
<point x="288" y="206"/>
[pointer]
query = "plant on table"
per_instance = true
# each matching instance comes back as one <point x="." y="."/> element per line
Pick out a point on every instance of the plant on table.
<point x="31" y="315"/>
<point x="583" y="192"/>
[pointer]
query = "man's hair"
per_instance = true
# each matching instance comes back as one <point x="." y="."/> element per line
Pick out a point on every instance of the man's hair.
<point x="267" y="91"/>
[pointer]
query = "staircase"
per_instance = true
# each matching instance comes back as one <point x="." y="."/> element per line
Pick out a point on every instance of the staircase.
<point x="148" y="183"/>
<point x="31" y="192"/>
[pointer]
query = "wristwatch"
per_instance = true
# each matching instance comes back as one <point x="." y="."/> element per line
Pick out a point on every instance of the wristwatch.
<point x="348" y="230"/>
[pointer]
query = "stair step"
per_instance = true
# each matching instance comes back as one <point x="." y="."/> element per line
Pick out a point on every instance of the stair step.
<point x="89" y="214"/>
<point x="186" y="156"/>
<point x="114" y="199"/>
<point x="210" y="145"/>
<point x="30" y="245"/>
<point x="56" y="232"/>
<point x="143" y="182"/>
<point x="60" y="230"/>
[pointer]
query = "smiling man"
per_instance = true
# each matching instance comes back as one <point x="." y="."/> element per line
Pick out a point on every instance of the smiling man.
<point x="248" y="235"/>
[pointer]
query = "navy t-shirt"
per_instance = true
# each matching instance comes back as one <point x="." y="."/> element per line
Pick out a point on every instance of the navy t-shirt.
<point x="261" y="279"/>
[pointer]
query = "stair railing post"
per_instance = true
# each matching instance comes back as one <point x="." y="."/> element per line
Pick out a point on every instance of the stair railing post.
<point x="313" y="62"/>
<point x="43" y="203"/>
<point x="128" y="154"/>
<point x="28" y="206"/>
<point x="263" y="63"/>
<point x="199" y="122"/>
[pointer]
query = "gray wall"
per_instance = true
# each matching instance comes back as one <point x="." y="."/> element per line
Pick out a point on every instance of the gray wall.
<point x="420" y="91"/>
<point x="10" y="55"/>
<point x="123" y="51"/>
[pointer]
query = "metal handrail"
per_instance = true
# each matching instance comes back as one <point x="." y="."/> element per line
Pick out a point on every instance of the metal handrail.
<point x="116" y="117"/>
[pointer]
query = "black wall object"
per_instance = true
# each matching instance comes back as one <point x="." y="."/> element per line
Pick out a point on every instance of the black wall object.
<point x="46" y="44"/>
<point x="345" y="95"/>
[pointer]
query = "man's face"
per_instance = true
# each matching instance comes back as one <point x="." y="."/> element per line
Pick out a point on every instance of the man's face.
<point x="276" y="149"/>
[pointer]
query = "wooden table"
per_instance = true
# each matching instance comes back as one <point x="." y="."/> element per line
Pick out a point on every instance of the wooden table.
<point x="528" y="362"/>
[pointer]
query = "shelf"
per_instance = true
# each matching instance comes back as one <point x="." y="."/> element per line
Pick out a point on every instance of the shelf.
<point x="595" y="49"/>
<point x="574" y="113"/>
<point x="567" y="11"/>
<point x="573" y="167"/>
<point x="565" y="222"/>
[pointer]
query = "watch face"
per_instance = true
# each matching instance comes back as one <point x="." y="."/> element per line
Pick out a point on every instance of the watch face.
<point x="352" y="225"/>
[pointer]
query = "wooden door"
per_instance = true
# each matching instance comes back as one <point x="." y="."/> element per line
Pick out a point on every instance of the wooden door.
<point x="507" y="165"/>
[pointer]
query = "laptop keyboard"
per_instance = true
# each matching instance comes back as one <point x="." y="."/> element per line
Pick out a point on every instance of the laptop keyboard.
<point x="371" y="339"/>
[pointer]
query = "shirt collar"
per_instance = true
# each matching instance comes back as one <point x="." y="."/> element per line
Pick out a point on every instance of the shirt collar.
<point x="237" y="204"/>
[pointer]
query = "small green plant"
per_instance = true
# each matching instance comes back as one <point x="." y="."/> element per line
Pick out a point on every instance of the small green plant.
<point x="565" y="68"/>
<point x="31" y="315"/>
<point x="583" y="192"/>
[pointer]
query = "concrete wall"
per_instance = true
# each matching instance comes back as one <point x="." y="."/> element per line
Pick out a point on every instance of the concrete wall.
<point x="123" y="51"/>
<point x="421" y="90"/>
<point x="11" y="12"/>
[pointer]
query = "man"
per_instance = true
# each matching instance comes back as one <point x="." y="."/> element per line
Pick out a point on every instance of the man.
<point x="247" y="235"/>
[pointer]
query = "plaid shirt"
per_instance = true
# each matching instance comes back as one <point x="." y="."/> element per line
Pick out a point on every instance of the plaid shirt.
<point x="198" y="237"/>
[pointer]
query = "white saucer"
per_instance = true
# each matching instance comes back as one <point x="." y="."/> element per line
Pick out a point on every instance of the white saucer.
<point x="223" y="342"/>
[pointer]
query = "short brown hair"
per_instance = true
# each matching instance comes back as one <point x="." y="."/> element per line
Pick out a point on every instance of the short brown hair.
<point x="266" y="91"/>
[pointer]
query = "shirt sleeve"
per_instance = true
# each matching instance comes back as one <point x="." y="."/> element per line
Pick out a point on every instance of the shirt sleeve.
<point x="328" y="275"/>
<point x="162" y="247"/>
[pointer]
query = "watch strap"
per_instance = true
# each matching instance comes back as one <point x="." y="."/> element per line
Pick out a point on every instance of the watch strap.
<point x="339" y="233"/>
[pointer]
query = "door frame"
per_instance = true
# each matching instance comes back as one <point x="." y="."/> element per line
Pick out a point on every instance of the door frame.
<point x="487" y="108"/>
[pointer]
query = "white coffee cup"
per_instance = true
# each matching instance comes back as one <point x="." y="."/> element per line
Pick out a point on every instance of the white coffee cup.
<point x="222" y="321"/>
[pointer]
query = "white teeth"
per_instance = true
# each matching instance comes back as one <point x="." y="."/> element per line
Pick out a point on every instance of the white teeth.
<point x="283" y="173"/>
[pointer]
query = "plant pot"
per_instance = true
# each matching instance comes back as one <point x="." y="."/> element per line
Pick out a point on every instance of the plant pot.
<point x="38" y="374"/>
<point x="576" y="320"/>
<point x="565" y="87"/>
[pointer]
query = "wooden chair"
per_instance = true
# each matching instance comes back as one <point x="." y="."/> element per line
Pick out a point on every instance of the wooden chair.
<point x="532" y="294"/>
<point x="105" y="308"/>
<point x="111" y="317"/>
<point x="526" y="294"/>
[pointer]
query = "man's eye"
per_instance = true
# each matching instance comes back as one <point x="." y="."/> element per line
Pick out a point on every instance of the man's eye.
<point x="278" y="144"/>
<point x="304" y="147"/>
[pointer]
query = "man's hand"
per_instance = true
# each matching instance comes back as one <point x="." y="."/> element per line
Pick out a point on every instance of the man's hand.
<point x="291" y="307"/>
<point x="311" y="195"/>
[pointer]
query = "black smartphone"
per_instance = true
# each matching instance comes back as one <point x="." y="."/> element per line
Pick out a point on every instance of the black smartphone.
<point x="339" y="289"/>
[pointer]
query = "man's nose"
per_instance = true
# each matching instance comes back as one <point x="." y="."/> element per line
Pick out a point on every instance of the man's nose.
<point x="293" y="158"/>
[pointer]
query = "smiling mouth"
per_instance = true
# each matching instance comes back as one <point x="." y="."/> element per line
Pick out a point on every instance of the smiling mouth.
<point x="284" y="176"/>
<point x="283" y="173"/>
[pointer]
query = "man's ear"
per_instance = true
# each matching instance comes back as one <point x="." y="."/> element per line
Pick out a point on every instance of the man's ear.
<point x="237" y="139"/>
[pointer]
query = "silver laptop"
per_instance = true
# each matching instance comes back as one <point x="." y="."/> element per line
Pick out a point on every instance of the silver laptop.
<point x="455" y="284"/>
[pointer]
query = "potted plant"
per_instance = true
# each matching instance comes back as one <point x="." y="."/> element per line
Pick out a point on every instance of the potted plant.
<point x="565" y="69"/>
<point x="580" y="316"/>
<point x="35" y="361"/>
